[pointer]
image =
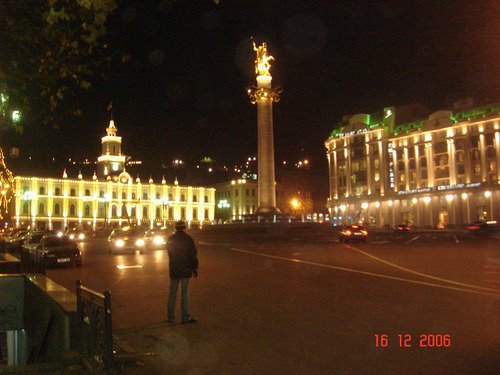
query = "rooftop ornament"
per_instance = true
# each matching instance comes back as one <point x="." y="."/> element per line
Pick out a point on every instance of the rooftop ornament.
<point x="262" y="64"/>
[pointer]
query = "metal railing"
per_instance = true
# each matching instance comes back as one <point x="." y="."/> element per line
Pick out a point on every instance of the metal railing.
<point x="94" y="312"/>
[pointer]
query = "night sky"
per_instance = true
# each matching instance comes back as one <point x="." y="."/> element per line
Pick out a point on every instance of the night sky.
<point x="183" y="94"/>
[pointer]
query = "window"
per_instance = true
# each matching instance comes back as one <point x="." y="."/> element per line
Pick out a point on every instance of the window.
<point x="72" y="210"/>
<point x="133" y="195"/>
<point x="57" y="191"/>
<point x="87" y="210"/>
<point x="183" y="213"/>
<point x="72" y="193"/>
<point x="124" y="195"/>
<point x="87" y="192"/>
<point x="170" y="213"/>
<point x="206" y="198"/>
<point x="144" y="195"/>
<point x="158" y="213"/>
<point x="101" y="193"/>
<point x="144" y="212"/>
<point x="170" y="197"/>
<point x="157" y="195"/>
<point x="25" y="208"/>
<point x="195" y="198"/>
<point x="41" y="191"/>
<point x="206" y="214"/>
<point x="183" y="198"/>
<point x="195" y="214"/>
<point x="115" y="195"/>
<point x="57" y="209"/>
<point x="41" y="209"/>
<point x="236" y="192"/>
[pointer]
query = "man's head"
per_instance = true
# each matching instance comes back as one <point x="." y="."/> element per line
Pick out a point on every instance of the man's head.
<point x="180" y="225"/>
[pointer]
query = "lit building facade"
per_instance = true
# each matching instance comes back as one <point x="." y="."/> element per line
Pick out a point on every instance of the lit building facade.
<point x="109" y="201"/>
<point x="442" y="171"/>
<point x="235" y="199"/>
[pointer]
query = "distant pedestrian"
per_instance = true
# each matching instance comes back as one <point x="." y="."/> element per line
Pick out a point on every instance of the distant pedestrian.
<point x="183" y="264"/>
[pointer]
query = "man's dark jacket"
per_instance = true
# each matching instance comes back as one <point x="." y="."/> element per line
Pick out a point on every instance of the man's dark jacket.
<point x="182" y="255"/>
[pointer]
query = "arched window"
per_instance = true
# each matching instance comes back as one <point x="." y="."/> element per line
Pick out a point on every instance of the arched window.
<point x="133" y="195"/>
<point x="183" y="213"/>
<point x="57" y="209"/>
<point x="58" y="192"/>
<point x="195" y="198"/>
<point x="41" y="209"/>
<point x="206" y="198"/>
<point x="87" y="210"/>
<point x="25" y="208"/>
<point x="87" y="192"/>
<point x="72" y="210"/>
<point x="101" y="193"/>
<point x="114" y="195"/>
<point x="41" y="191"/>
<point x="170" y="197"/>
<point x="170" y="213"/>
<point x="195" y="214"/>
<point x="145" y="195"/>
<point x="157" y="195"/>
<point x="124" y="195"/>
<point x="206" y="214"/>
<point x="72" y="193"/>
<point x="113" y="211"/>
<point x="183" y="198"/>
<point x="158" y="213"/>
<point x="145" y="212"/>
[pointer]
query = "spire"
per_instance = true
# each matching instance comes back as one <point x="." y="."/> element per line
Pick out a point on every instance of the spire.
<point x="111" y="129"/>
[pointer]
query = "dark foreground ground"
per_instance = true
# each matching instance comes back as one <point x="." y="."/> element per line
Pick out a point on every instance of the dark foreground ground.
<point x="292" y="300"/>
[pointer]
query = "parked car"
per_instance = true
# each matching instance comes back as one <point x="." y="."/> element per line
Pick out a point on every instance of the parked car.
<point x="14" y="242"/>
<point x="402" y="228"/>
<point x="157" y="238"/>
<point x="127" y="239"/>
<point x="353" y="233"/>
<point x="58" y="250"/>
<point x="483" y="226"/>
<point x="34" y="238"/>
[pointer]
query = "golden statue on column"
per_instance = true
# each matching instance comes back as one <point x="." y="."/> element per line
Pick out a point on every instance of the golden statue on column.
<point x="264" y="95"/>
<point x="262" y="64"/>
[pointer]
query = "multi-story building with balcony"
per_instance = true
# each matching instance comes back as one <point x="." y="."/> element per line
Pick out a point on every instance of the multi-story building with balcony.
<point x="109" y="199"/>
<point x="439" y="171"/>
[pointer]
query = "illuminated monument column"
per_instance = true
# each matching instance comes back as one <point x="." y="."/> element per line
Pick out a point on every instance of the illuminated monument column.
<point x="264" y="95"/>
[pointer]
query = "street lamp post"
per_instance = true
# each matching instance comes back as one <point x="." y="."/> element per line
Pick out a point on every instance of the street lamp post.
<point x="28" y="196"/>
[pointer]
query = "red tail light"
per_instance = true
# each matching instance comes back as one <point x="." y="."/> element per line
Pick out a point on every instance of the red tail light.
<point x="473" y="227"/>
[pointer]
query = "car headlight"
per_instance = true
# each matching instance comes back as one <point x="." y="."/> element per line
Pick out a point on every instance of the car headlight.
<point x="119" y="243"/>
<point x="81" y="236"/>
<point x="72" y="236"/>
<point x="60" y="234"/>
<point x="158" y="240"/>
<point x="139" y="242"/>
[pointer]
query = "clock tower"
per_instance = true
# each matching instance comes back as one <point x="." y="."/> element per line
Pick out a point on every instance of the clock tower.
<point x="112" y="161"/>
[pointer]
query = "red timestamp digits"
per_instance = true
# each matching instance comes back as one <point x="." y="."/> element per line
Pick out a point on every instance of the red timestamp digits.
<point x="405" y="340"/>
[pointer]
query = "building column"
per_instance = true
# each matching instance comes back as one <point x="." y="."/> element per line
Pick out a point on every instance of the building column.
<point x="482" y="151"/>
<point x="452" y="162"/>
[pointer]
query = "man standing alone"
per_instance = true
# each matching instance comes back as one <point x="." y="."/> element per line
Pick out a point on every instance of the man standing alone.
<point x="183" y="264"/>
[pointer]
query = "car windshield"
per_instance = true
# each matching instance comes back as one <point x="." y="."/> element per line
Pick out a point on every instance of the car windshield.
<point x="57" y="241"/>
<point x="36" y="238"/>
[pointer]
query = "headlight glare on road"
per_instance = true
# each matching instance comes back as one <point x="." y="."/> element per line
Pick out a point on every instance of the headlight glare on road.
<point x="158" y="240"/>
<point x="119" y="243"/>
<point x="139" y="242"/>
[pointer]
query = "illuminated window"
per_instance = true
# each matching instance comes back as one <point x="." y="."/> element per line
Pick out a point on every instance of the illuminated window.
<point x="183" y="198"/>
<point x="57" y="192"/>
<point x="144" y="212"/>
<point x="114" y="195"/>
<point x="206" y="198"/>
<point x="145" y="195"/>
<point x="57" y="209"/>
<point x="195" y="214"/>
<point x="183" y="213"/>
<point x="72" y="193"/>
<point x="87" y="192"/>
<point x="124" y="195"/>
<point x="87" y="210"/>
<point x="195" y="199"/>
<point x="41" y="209"/>
<point x="41" y="191"/>
<point x="133" y="195"/>
<point x="72" y="210"/>
<point x="206" y="214"/>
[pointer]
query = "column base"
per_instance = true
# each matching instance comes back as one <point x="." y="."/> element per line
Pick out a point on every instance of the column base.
<point x="267" y="211"/>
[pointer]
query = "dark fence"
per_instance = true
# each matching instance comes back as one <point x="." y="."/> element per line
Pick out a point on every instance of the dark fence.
<point x="32" y="263"/>
<point x="94" y="313"/>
